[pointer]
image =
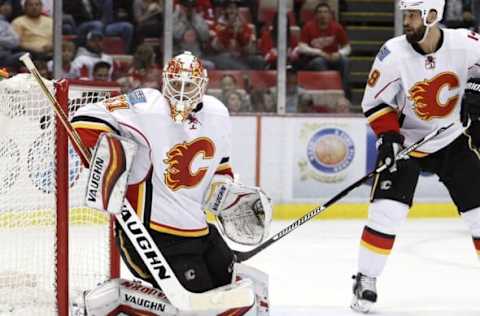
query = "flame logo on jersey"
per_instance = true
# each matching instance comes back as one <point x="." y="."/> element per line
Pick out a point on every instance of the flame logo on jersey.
<point x="426" y="96"/>
<point x="179" y="173"/>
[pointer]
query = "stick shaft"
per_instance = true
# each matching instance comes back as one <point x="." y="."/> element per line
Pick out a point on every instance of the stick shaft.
<point x="242" y="256"/>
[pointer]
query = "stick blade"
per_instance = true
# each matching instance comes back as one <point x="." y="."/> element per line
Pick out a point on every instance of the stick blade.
<point x="238" y="294"/>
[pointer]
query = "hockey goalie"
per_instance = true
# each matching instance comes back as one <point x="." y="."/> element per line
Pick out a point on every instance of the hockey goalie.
<point x="168" y="154"/>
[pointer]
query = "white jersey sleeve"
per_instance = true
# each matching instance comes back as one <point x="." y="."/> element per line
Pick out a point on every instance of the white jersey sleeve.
<point x="114" y="114"/>
<point x="118" y="115"/>
<point x="383" y="90"/>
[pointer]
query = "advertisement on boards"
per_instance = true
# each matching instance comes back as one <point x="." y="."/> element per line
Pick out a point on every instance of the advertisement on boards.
<point x="329" y="155"/>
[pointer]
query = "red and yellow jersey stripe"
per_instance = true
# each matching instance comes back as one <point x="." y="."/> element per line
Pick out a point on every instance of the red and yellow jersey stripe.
<point x="383" y="118"/>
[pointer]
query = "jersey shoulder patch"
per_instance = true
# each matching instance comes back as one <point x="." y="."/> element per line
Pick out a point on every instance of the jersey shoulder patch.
<point x="383" y="53"/>
<point x="392" y="47"/>
<point x="136" y="96"/>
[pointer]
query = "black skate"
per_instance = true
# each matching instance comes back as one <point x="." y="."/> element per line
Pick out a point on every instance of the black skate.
<point x="364" y="293"/>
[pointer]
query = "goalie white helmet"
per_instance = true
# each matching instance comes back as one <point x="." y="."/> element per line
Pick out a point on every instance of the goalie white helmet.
<point x="184" y="83"/>
<point x="425" y="6"/>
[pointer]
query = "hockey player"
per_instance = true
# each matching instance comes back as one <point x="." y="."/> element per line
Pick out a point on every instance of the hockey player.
<point x="182" y="168"/>
<point x="416" y="86"/>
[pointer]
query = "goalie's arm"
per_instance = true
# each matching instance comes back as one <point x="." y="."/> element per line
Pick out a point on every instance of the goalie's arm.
<point x="92" y="120"/>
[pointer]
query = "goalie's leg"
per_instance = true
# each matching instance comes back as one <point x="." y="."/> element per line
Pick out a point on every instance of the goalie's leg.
<point x="199" y="263"/>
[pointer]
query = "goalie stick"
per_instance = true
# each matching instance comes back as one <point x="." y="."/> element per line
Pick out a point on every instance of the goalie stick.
<point x="230" y="297"/>
<point x="245" y="255"/>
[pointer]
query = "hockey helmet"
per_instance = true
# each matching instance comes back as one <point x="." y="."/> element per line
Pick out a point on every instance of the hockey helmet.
<point x="425" y="6"/>
<point x="184" y="84"/>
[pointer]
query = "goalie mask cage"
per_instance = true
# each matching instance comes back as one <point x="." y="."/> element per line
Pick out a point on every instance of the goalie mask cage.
<point x="52" y="248"/>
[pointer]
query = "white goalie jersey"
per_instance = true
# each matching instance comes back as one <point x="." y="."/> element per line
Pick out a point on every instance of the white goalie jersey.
<point x="423" y="90"/>
<point x="174" y="164"/>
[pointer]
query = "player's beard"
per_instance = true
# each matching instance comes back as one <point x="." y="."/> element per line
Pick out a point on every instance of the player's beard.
<point x="417" y="34"/>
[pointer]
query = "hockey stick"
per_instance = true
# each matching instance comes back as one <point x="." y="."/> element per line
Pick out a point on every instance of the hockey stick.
<point x="227" y="298"/>
<point x="245" y="255"/>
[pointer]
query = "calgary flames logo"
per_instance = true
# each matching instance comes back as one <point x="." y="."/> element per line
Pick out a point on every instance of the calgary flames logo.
<point x="174" y="67"/>
<point x="179" y="173"/>
<point x="426" y="96"/>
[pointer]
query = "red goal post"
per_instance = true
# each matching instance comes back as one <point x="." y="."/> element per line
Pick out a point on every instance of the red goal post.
<point x="52" y="247"/>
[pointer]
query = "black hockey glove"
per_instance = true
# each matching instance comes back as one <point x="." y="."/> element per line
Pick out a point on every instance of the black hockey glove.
<point x="389" y="145"/>
<point x="471" y="110"/>
<point x="471" y="102"/>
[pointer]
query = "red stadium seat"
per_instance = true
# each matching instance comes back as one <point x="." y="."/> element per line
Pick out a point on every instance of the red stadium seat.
<point x="307" y="10"/>
<point x="69" y="37"/>
<point x="266" y="16"/>
<point x="258" y="79"/>
<point x="261" y="79"/>
<point x="113" y="45"/>
<point x="320" y="80"/>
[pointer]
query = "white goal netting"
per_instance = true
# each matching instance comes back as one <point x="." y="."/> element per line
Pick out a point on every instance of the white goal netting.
<point x="28" y="195"/>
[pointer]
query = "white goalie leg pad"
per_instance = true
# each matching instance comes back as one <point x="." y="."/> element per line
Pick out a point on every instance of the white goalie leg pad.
<point x="137" y="299"/>
<point x="119" y="295"/>
<point x="472" y="219"/>
<point x="103" y="299"/>
<point x="260" y="281"/>
<point x="109" y="169"/>
<point x="386" y="216"/>
<point x="244" y="213"/>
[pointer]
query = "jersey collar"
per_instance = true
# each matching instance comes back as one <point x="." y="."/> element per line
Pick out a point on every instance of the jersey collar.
<point x="419" y="50"/>
<point x="198" y="107"/>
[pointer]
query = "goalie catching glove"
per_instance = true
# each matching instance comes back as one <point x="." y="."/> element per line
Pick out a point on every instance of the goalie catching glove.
<point x="109" y="169"/>
<point x="244" y="213"/>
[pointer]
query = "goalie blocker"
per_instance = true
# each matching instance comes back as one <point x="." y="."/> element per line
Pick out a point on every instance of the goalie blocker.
<point x="109" y="169"/>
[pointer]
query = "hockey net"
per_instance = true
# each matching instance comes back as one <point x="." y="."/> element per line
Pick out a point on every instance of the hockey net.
<point x="34" y="226"/>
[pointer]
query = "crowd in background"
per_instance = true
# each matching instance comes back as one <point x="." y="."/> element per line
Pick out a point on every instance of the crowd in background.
<point x="225" y="34"/>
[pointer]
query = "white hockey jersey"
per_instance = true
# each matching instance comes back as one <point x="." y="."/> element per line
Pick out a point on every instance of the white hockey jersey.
<point x="425" y="90"/>
<point x="175" y="163"/>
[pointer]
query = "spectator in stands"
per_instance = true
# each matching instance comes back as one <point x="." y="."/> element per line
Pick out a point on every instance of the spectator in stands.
<point x="234" y="41"/>
<point x="297" y="99"/>
<point x="324" y="45"/>
<point x="9" y="40"/>
<point x="343" y="105"/>
<point x="35" y="30"/>
<point x="42" y="68"/>
<point x="68" y="54"/>
<point x="267" y="45"/>
<point x="228" y="84"/>
<point x="110" y="17"/>
<point x="143" y="73"/>
<point x="205" y="8"/>
<point x="457" y="13"/>
<point x="117" y="16"/>
<point x="6" y="10"/>
<point x="294" y="91"/>
<point x="90" y="54"/>
<point x="101" y="71"/>
<point x="263" y="100"/>
<point x="190" y="31"/>
<point x="235" y="102"/>
<point x="86" y="16"/>
<point x="148" y="18"/>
